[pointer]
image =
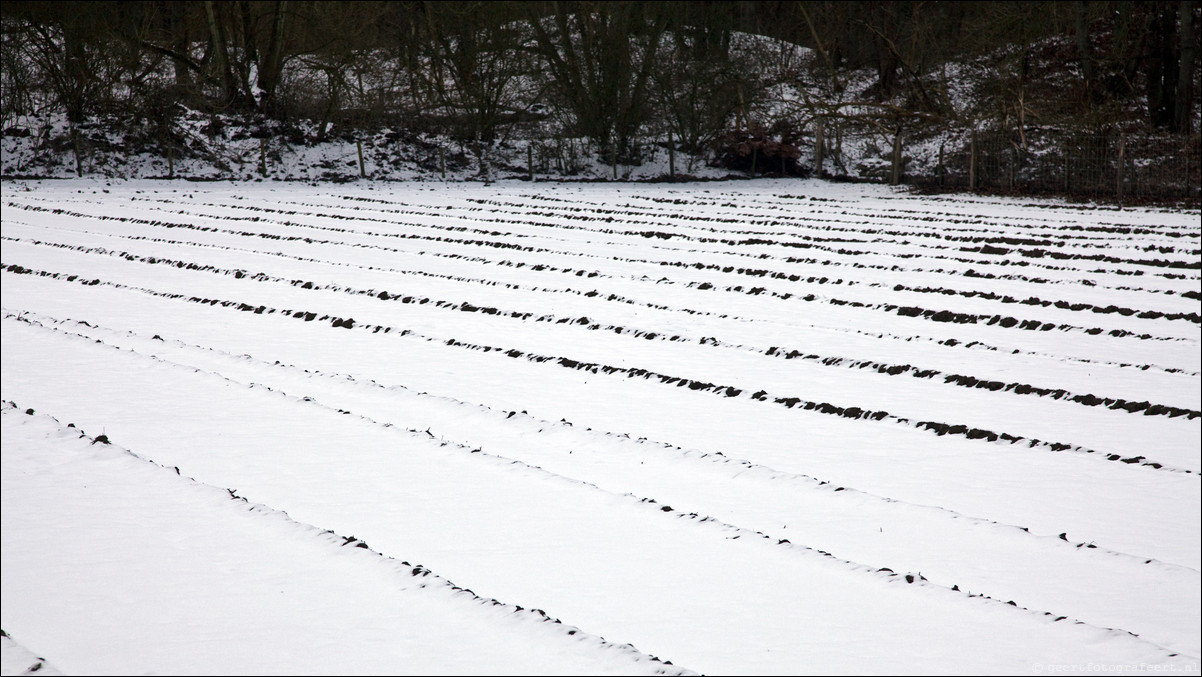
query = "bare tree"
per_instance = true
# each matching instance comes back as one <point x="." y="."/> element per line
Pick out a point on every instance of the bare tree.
<point x="697" y="81"/>
<point x="66" y="46"/>
<point x="475" y="58"/>
<point x="600" y="58"/>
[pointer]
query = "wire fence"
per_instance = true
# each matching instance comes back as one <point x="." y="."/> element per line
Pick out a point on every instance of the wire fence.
<point x="1109" y="166"/>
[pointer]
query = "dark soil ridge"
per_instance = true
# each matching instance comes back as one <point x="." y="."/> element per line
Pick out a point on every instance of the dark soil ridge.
<point x="582" y="273"/>
<point x="967" y="381"/>
<point x="612" y="437"/>
<point x="934" y="315"/>
<point x="938" y="428"/>
<point x="402" y="568"/>
<point x="943" y="291"/>
<point x="810" y="223"/>
<point x="646" y="234"/>
<point x="509" y="234"/>
<point x="538" y="615"/>
<point x="755" y="272"/>
<point x="1030" y="325"/>
<point x="667" y="236"/>
<point x="844" y="207"/>
<point x="909" y="217"/>
<point x="814" y="243"/>
<point x="625" y="438"/>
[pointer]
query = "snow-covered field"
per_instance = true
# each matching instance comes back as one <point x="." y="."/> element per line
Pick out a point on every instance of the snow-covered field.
<point x="765" y="427"/>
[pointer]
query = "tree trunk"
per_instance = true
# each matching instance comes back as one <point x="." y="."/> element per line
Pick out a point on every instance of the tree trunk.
<point x="1163" y="71"/>
<point x="75" y="73"/>
<point x="1081" y="28"/>
<point x="272" y="62"/>
<point x="886" y="16"/>
<point x="671" y="156"/>
<point x="1155" y="75"/>
<point x="1171" y="57"/>
<point x="179" y="43"/>
<point x="221" y="53"/>
<point x="1183" y="114"/>
<point x="75" y="146"/>
<point x="819" y="143"/>
<point x="896" y="171"/>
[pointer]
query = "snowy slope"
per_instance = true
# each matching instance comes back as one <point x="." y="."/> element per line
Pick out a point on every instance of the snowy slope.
<point x="756" y="428"/>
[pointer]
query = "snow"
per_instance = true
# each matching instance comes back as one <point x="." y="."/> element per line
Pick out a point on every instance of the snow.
<point x="596" y="428"/>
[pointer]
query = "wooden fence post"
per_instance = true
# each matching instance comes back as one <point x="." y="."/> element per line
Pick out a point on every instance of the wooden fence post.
<point x="972" y="162"/>
<point x="1013" y="161"/>
<point x="895" y="173"/>
<point x="1067" y="173"/>
<point x="359" y="147"/>
<point x="1118" y="188"/>
<point x="819" y="143"/>
<point x="940" y="172"/>
<point x="442" y="162"/>
<point x="530" y="161"/>
<point x="262" y="156"/>
<point x="171" y="162"/>
<point x="671" y="156"/>
<point x="482" y="159"/>
<point x="75" y="146"/>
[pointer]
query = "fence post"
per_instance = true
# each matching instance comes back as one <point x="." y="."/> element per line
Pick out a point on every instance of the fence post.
<point x="359" y="146"/>
<point x="482" y="159"/>
<point x="262" y="156"/>
<point x="1118" y="188"/>
<point x="442" y="161"/>
<point x="75" y="145"/>
<point x="818" y="147"/>
<point x="1067" y="173"/>
<point x="671" y="156"/>
<point x="895" y="174"/>
<point x="1013" y="161"/>
<point x="530" y="161"/>
<point x="972" y="161"/>
<point x="1190" y="156"/>
<point x="940" y="172"/>
<point x="171" y="162"/>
